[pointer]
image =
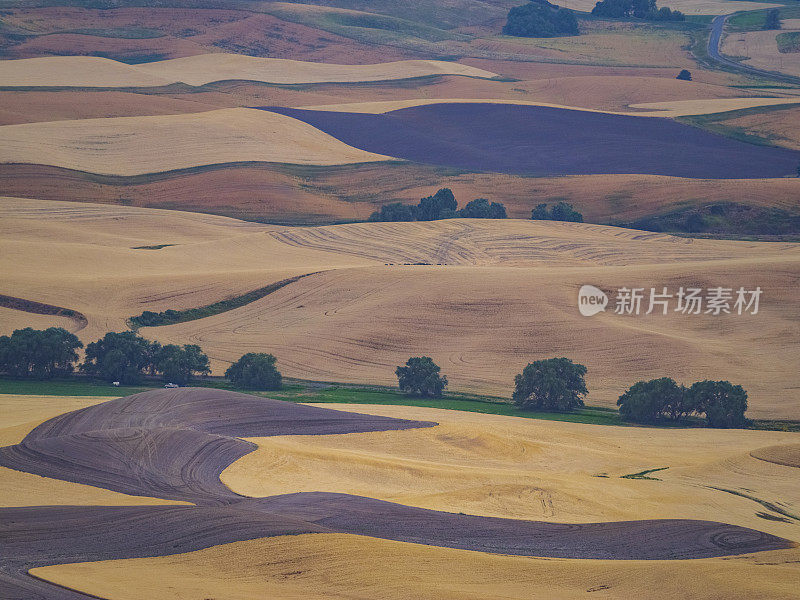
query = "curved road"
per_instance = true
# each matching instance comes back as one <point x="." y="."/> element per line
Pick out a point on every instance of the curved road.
<point x="714" y="42"/>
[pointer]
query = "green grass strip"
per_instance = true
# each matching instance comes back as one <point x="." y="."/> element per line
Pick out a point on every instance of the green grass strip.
<point x="644" y="474"/>
<point x="170" y="316"/>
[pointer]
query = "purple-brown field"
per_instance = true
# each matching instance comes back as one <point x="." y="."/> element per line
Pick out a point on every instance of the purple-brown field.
<point x="541" y="141"/>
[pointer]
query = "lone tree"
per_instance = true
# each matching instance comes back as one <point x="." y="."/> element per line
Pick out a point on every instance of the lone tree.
<point x="420" y="377"/>
<point x="555" y="384"/>
<point x="723" y="403"/>
<point x="654" y="400"/>
<point x="773" y="20"/>
<point x="480" y="208"/>
<point x="540" y="19"/>
<point x="255" y="371"/>
<point x="179" y="364"/>
<point x="39" y="354"/>
<point x="684" y="75"/>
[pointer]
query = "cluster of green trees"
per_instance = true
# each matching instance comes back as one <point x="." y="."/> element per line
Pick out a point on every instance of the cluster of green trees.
<point x="441" y="205"/>
<point x="561" y="211"/>
<point x="720" y="402"/>
<point x="637" y="9"/>
<point x="540" y="19"/>
<point x="39" y="354"/>
<point x="125" y="357"/>
<point x="559" y="385"/>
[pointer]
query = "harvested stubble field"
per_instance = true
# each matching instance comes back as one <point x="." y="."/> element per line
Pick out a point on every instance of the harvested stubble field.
<point x="174" y="443"/>
<point x="88" y="71"/>
<point x="760" y="49"/>
<point x="186" y="32"/>
<point x="137" y="145"/>
<point x="321" y="195"/>
<point x="513" y="282"/>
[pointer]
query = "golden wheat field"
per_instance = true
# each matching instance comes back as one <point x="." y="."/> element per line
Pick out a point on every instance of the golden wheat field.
<point x="98" y="72"/>
<point x="325" y="566"/>
<point x="675" y="108"/>
<point x="488" y="465"/>
<point x="760" y="49"/>
<point x="371" y="303"/>
<point x="146" y="166"/>
<point x="137" y="145"/>
<point x="537" y="470"/>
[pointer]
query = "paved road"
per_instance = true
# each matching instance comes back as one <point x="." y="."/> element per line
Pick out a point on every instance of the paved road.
<point x="714" y="42"/>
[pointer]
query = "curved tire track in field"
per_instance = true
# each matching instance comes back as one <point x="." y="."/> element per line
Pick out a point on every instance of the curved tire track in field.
<point x="174" y="444"/>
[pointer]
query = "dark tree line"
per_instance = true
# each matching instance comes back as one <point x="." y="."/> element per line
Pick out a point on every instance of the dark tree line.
<point x="39" y="354"/>
<point x="559" y="385"/>
<point x="637" y="9"/>
<point x="441" y="205"/>
<point x="124" y="357"/>
<point x="720" y="402"/>
<point x="127" y="357"/>
<point x="540" y="19"/>
<point x="561" y="211"/>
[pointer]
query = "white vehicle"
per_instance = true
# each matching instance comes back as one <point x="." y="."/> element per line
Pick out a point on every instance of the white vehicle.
<point x="172" y="385"/>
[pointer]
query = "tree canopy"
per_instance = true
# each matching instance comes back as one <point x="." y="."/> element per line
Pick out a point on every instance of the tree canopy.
<point x="540" y="19"/>
<point x="561" y="211"/>
<point x="420" y="377"/>
<point x="637" y="9"/>
<point x="126" y="357"/>
<point x="178" y="364"/>
<point x="555" y="384"/>
<point x="481" y="208"/>
<point x="255" y="371"/>
<point x="39" y="354"/>
<point x="684" y="75"/>
<point x="654" y="400"/>
<point x="441" y="205"/>
<point x="723" y="403"/>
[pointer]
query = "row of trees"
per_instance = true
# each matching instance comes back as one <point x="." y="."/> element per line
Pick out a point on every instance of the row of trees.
<point x="559" y="385"/>
<point x="637" y="9"/>
<point x="720" y="402"/>
<point x="555" y="384"/>
<point x="125" y="357"/>
<point x="441" y="205"/>
<point x="562" y="211"/>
